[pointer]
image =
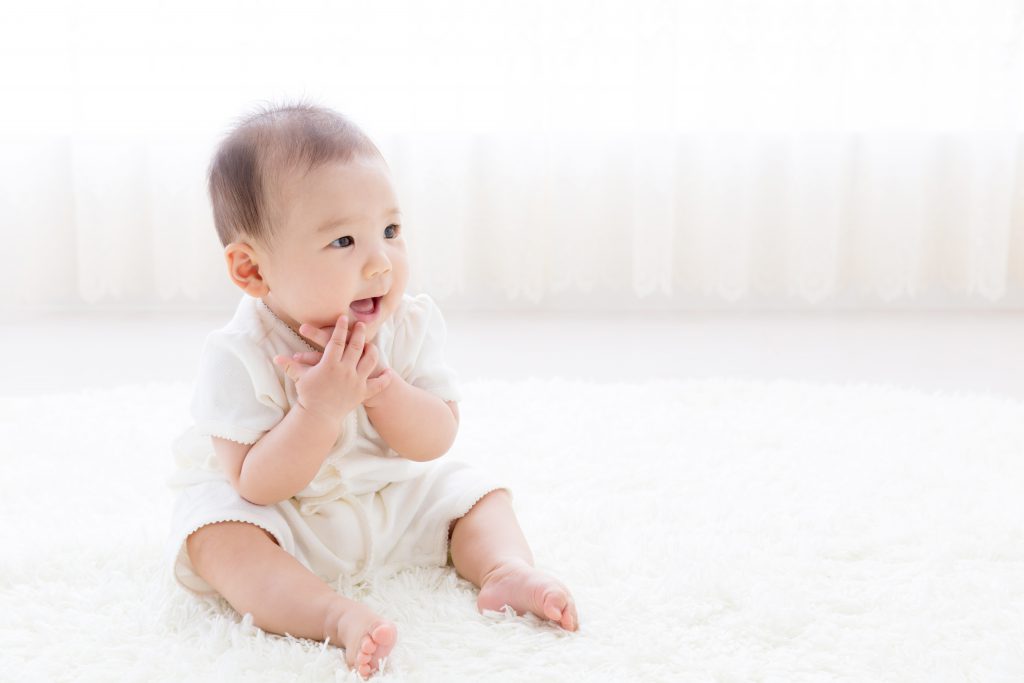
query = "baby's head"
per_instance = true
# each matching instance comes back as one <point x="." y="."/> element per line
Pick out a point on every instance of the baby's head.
<point x="305" y="207"/>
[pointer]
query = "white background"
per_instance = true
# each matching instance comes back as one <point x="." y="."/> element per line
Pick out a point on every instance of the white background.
<point x="615" y="191"/>
<point x="560" y="156"/>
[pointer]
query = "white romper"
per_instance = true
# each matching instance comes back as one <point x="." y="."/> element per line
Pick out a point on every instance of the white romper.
<point x="367" y="506"/>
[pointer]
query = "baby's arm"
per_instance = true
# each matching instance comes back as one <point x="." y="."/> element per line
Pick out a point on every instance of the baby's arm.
<point x="417" y="424"/>
<point x="283" y="461"/>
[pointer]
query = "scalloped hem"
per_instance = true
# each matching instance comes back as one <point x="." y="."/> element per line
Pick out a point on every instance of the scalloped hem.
<point x="229" y="438"/>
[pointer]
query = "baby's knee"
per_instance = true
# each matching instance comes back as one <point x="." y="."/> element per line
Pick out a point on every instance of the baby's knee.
<point x="222" y="540"/>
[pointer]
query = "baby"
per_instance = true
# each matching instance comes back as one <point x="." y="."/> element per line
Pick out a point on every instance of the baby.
<point x="321" y="409"/>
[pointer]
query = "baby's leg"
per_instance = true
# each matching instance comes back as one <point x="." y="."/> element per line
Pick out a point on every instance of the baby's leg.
<point x="245" y="565"/>
<point x="488" y="548"/>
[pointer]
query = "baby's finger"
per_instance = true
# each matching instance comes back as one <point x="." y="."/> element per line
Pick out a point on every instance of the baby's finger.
<point x="292" y="368"/>
<point x="369" y="360"/>
<point x="354" y="350"/>
<point x="319" y="335"/>
<point x="336" y="344"/>
<point x="379" y="383"/>
<point x="308" y="357"/>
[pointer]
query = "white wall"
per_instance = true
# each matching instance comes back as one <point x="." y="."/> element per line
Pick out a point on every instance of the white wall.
<point x="571" y="155"/>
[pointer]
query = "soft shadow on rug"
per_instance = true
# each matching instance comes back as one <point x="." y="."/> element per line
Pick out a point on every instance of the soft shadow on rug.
<point x="709" y="530"/>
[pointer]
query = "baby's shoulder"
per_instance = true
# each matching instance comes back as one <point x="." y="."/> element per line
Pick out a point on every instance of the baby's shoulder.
<point x="417" y="324"/>
<point x="414" y="317"/>
<point x="415" y="311"/>
<point x="242" y="342"/>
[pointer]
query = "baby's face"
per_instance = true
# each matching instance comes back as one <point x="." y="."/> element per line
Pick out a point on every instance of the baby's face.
<point x="341" y="241"/>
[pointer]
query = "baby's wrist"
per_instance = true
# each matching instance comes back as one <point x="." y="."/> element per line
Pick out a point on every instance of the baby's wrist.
<point x="317" y="416"/>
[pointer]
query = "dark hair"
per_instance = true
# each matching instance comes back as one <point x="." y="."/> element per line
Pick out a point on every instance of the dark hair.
<point x="273" y="140"/>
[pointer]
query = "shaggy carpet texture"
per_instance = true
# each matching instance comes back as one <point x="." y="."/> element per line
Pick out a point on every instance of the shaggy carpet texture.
<point x="710" y="531"/>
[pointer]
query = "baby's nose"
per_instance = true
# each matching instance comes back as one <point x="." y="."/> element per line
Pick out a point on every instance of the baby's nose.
<point x="377" y="266"/>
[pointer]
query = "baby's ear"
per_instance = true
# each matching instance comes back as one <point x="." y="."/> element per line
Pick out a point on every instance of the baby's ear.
<point x="244" y="270"/>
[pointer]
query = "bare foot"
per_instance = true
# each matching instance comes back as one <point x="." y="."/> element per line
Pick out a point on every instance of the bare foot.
<point x="366" y="637"/>
<point x="528" y="589"/>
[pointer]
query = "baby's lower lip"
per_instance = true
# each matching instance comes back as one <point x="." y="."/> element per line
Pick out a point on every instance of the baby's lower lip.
<point x="367" y="317"/>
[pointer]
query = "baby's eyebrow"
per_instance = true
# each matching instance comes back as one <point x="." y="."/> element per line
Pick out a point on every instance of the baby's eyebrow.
<point x="334" y="223"/>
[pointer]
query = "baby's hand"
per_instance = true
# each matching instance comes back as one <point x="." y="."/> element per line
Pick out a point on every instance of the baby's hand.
<point x="340" y="380"/>
<point x="321" y="335"/>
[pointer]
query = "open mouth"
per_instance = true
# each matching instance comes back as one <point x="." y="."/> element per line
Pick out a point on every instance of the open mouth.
<point x="366" y="309"/>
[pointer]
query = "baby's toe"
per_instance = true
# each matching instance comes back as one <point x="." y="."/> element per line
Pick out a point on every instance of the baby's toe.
<point x="375" y="646"/>
<point x="569" y="619"/>
<point x="385" y="634"/>
<point x="553" y="606"/>
<point x="362" y="654"/>
<point x="559" y="607"/>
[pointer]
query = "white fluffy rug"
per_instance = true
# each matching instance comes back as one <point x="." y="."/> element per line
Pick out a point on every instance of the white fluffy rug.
<point x="710" y="531"/>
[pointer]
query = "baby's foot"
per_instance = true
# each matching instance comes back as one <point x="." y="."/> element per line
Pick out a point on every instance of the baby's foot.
<point x="366" y="637"/>
<point x="526" y="588"/>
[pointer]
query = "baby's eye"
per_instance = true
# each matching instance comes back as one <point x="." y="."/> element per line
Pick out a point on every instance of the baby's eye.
<point x="394" y="227"/>
<point x="346" y="237"/>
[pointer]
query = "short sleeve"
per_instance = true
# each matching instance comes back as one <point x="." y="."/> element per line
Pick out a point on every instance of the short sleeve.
<point x="235" y="397"/>
<point x="419" y="349"/>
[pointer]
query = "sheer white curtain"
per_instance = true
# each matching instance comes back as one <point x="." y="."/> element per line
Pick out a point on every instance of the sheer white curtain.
<point x="627" y="154"/>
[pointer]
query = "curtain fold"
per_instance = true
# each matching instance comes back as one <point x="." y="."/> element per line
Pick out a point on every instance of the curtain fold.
<point x="594" y="155"/>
